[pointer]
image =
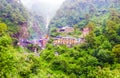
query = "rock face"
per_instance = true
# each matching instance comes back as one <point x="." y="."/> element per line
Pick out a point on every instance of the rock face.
<point x="24" y="34"/>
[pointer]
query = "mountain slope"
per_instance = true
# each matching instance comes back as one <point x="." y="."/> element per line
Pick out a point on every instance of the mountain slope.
<point x="16" y="16"/>
<point x="80" y="11"/>
<point x="13" y="10"/>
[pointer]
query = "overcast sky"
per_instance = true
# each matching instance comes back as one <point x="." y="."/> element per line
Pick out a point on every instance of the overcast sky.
<point x="28" y="3"/>
<point x="46" y="6"/>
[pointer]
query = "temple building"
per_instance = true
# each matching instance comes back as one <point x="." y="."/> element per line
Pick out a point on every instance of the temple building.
<point x="65" y="29"/>
<point x="85" y="32"/>
<point x="66" y="41"/>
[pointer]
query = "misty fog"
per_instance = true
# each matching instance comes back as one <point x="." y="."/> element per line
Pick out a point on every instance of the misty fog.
<point x="43" y="7"/>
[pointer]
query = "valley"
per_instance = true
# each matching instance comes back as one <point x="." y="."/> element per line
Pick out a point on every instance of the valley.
<point x="60" y="39"/>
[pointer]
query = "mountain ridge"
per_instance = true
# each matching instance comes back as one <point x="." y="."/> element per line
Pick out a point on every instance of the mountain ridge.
<point x="74" y="11"/>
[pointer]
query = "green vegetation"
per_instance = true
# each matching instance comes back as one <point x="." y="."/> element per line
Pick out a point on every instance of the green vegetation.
<point x="97" y="57"/>
<point x="81" y="11"/>
<point x="13" y="14"/>
<point x="13" y="11"/>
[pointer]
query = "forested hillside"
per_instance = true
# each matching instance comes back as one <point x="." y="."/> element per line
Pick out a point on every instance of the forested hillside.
<point x="14" y="14"/>
<point x="98" y="56"/>
<point x="81" y="11"/>
<point x="13" y="10"/>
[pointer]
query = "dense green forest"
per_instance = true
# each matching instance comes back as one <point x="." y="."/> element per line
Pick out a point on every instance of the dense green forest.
<point x="13" y="14"/>
<point x="81" y="11"/>
<point x="97" y="57"/>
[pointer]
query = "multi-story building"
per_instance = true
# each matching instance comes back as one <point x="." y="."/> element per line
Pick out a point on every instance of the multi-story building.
<point x="66" y="41"/>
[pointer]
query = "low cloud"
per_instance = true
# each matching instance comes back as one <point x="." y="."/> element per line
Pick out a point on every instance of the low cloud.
<point x="44" y="7"/>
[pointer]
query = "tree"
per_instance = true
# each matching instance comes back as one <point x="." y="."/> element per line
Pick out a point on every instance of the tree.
<point x="8" y="58"/>
<point x="104" y="55"/>
<point x="3" y="27"/>
<point x="114" y="15"/>
<point x="90" y="38"/>
<point x="116" y="51"/>
<point x="111" y="32"/>
<point x="75" y="27"/>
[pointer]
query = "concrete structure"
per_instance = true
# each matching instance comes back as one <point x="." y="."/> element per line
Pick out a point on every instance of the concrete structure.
<point x="85" y="32"/>
<point x="35" y="42"/>
<point x="42" y="43"/>
<point x="66" y="29"/>
<point x="66" y="41"/>
<point x="70" y="40"/>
